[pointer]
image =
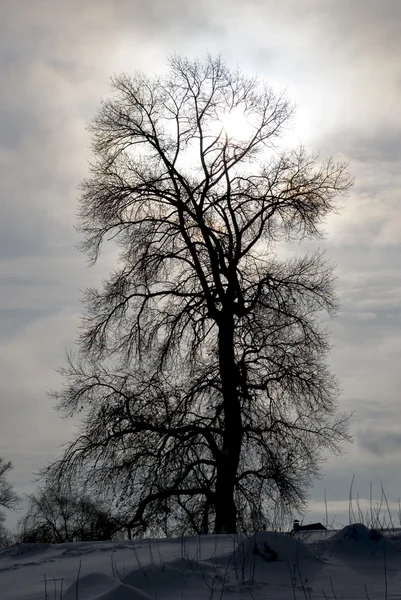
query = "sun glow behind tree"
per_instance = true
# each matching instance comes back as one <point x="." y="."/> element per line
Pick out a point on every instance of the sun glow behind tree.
<point x="236" y="125"/>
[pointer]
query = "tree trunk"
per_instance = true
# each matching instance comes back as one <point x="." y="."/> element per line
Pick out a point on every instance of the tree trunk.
<point x="205" y="519"/>
<point x="226" y="514"/>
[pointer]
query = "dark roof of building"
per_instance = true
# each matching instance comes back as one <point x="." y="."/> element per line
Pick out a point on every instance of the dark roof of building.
<point x="310" y="527"/>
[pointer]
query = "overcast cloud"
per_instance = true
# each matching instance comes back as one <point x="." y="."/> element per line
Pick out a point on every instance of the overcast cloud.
<point x="339" y="61"/>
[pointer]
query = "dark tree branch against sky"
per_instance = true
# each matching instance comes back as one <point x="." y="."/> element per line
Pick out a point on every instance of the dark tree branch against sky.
<point x="338" y="62"/>
<point x="190" y="181"/>
<point x="8" y="497"/>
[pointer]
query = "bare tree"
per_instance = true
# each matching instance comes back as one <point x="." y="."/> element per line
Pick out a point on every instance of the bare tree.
<point x="203" y="360"/>
<point x="8" y="497"/>
<point x="56" y="514"/>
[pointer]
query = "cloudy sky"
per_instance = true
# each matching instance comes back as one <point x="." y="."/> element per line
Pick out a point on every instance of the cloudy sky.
<point x="339" y="61"/>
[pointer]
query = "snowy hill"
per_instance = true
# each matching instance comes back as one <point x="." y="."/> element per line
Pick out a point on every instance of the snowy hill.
<point x="352" y="563"/>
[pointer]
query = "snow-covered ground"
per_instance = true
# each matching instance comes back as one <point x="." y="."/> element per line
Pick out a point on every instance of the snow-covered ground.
<point x="351" y="563"/>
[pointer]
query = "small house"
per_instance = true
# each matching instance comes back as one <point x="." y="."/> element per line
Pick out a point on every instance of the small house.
<point x="309" y="527"/>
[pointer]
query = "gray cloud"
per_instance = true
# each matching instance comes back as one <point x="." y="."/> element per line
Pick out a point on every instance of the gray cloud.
<point x="339" y="61"/>
<point x="380" y="442"/>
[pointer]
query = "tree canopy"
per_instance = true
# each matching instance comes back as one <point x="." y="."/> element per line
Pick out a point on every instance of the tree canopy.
<point x="202" y="373"/>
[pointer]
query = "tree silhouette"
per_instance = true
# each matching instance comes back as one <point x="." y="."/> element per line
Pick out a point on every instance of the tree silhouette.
<point x="8" y="497"/>
<point x="202" y="369"/>
<point x="58" y="514"/>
